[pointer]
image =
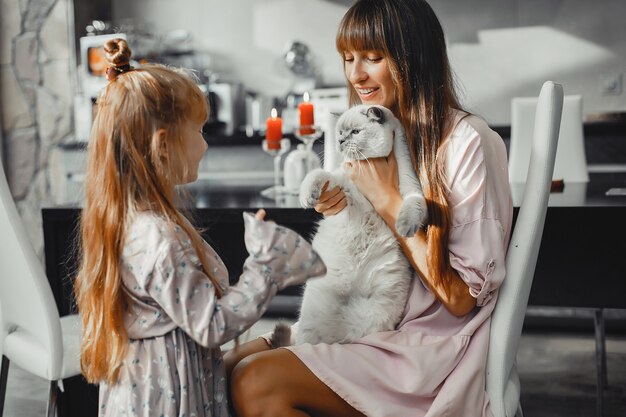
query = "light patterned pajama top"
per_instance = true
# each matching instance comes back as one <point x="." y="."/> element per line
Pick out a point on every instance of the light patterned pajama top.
<point x="176" y="323"/>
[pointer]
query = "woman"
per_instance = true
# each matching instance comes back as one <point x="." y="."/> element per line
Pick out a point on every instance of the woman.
<point x="434" y="363"/>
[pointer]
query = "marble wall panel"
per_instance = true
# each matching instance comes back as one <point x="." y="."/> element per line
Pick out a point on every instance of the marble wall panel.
<point x="35" y="99"/>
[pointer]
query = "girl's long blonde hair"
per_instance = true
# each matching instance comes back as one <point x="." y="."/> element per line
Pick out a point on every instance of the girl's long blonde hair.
<point x="128" y="171"/>
<point x="409" y="35"/>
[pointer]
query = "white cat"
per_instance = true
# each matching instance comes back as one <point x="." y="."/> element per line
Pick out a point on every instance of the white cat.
<point x="366" y="285"/>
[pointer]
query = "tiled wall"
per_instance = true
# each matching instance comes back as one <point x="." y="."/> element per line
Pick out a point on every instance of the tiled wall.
<point x="499" y="48"/>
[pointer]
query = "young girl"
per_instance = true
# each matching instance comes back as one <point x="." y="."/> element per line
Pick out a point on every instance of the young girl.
<point x="153" y="296"/>
<point x="433" y="364"/>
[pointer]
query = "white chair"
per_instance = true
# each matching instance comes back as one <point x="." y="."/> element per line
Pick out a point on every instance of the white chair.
<point x="503" y="383"/>
<point x="32" y="334"/>
<point x="571" y="162"/>
<point x="570" y="166"/>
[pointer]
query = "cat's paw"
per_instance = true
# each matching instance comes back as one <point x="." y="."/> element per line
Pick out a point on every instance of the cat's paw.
<point x="412" y="215"/>
<point x="312" y="186"/>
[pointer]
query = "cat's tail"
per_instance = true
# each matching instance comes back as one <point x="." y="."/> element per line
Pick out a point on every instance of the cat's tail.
<point x="281" y="335"/>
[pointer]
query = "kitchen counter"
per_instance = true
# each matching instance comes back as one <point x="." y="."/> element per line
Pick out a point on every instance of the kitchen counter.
<point x="579" y="262"/>
<point x="592" y="194"/>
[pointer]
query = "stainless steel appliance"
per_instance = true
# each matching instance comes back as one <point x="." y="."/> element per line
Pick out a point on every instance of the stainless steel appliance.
<point x="228" y="105"/>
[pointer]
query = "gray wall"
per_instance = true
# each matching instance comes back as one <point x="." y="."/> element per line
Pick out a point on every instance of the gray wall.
<point x="498" y="48"/>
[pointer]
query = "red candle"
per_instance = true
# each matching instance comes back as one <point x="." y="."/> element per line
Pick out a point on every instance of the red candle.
<point x="306" y="115"/>
<point x="274" y="130"/>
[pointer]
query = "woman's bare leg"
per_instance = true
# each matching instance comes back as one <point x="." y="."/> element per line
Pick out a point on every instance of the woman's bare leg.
<point x="234" y="356"/>
<point x="276" y="383"/>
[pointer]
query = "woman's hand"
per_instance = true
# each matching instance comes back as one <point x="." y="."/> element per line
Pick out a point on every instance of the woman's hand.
<point x="376" y="179"/>
<point x="331" y="201"/>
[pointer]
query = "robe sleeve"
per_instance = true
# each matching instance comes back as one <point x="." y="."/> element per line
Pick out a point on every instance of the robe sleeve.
<point x="477" y="241"/>
<point x="278" y="257"/>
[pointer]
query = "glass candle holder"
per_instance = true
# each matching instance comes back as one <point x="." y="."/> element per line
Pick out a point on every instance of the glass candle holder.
<point x="277" y="189"/>
<point x="308" y="134"/>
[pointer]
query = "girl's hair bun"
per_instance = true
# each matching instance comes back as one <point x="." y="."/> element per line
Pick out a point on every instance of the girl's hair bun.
<point x="118" y="57"/>
<point x="117" y="52"/>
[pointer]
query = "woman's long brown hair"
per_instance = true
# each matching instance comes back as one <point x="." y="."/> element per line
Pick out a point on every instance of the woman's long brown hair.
<point x="128" y="171"/>
<point x="409" y="35"/>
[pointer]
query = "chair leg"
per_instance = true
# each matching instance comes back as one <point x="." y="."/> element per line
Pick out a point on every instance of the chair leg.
<point x="52" y="399"/>
<point x="602" y="377"/>
<point x="4" y="374"/>
<point x="601" y="344"/>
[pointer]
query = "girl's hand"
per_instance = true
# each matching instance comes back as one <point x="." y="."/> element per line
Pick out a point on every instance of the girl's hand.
<point x="260" y="214"/>
<point x="376" y="179"/>
<point x="331" y="201"/>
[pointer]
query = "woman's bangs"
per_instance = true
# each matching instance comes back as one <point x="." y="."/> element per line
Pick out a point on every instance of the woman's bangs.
<point x="360" y="33"/>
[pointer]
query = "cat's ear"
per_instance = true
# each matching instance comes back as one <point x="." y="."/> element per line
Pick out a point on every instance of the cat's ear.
<point x="376" y="114"/>
<point x="335" y="114"/>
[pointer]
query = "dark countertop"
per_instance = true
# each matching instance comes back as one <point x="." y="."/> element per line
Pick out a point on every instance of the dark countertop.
<point x="592" y="194"/>
<point x="579" y="264"/>
<point x="572" y="195"/>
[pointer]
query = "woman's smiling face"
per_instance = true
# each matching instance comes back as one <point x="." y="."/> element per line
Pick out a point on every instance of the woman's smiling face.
<point x="369" y="74"/>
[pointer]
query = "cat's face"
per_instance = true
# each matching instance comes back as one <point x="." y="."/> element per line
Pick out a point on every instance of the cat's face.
<point x="364" y="132"/>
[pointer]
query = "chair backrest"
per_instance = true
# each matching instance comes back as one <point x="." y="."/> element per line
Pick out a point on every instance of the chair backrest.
<point x="571" y="162"/>
<point x="26" y="298"/>
<point x="508" y="315"/>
